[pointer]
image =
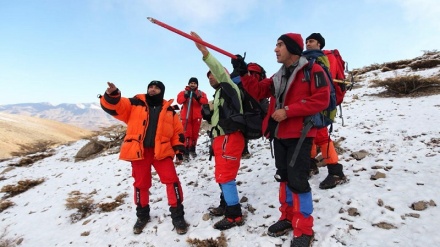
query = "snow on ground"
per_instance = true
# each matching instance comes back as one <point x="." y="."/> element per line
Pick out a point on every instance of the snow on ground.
<point x="401" y="136"/>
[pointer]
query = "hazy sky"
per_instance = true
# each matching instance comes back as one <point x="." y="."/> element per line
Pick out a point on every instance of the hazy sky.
<point x="65" y="51"/>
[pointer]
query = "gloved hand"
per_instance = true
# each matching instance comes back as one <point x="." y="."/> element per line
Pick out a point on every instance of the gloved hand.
<point x="179" y="159"/>
<point x="187" y="92"/>
<point x="239" y="65"/>
<point x="197" y="94"/>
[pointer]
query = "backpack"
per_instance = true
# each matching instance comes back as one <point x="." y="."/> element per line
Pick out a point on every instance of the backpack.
<point x="337" y="71"/>
<point x="231" y="119"/>
<point x="326" y="117"/>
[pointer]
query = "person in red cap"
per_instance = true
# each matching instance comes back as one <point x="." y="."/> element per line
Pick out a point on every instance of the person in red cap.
<point x="154" y="136"/>
<point x="292" y="101"/>
<point x="191" y="100"/>
<point x="314" y="44"/>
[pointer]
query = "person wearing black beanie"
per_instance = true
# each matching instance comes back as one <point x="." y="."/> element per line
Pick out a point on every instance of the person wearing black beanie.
<point x="318" y="37"/>
<point x="193" y="79"/>
<point x="191" y="100"/>
<point x="150" y="118"/>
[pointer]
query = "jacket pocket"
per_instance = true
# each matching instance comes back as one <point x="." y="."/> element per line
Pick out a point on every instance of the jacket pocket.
<point x="131" y="148"/>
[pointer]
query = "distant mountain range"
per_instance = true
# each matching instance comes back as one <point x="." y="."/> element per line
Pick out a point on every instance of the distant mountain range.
<point x="85" y="115"/>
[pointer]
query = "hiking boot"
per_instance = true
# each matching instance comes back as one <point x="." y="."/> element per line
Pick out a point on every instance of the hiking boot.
<point x="313" y="168"/>
<point x="218" y="211"/>
<point x="180" y="225"/>
<point x="179" y="222"/>
<point x="302" y="241"/>
<point x="227" y="223"/>
<point x="186" y="157"/>
<point x="193" y="154"/>
<point x="332" y="181"/>
<point x="140" y="225"/>
<point x="280" y="228"/>
<point x="245" y="155"/>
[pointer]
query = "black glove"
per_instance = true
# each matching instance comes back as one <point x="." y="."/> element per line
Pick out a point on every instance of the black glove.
<point x="239" y="65"/>
<point x="179" y="156"/>
<point x="186" y="95"/>
<point x="197" y="95"/>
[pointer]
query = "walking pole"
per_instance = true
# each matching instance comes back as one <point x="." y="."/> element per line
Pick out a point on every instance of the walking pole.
<point x="188" y="110"/>
<point x="186" y="122"/>
<point x="215" y="48"/>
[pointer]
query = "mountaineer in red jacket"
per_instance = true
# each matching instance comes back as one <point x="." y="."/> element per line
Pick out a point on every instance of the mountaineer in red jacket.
<point x="315" y="43"/>
<point x="292" y="100"/>
<point x="191" y="100"/>
<point x="154" y="136"/>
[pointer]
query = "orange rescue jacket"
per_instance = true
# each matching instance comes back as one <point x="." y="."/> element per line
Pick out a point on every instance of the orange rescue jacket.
<point x="169" y="139"/>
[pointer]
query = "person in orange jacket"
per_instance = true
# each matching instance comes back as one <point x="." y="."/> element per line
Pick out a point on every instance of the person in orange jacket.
<point x="191" y="100"/>
<point x="154" y="137"/>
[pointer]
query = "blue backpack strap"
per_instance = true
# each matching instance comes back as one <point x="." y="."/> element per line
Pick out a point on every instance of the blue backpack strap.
<point x="308" y="68"/>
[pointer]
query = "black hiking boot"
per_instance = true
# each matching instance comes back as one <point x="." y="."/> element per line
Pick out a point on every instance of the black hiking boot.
<point x="233" y="217"/>
<point x="280" y="228"/>
<point x="143" y="217"/>
<point x="186" y="157"/>
<point x="302" y="241"/>
<point x="179" y="222"/>
<point x="313" y="168"/>
<point x="140" y="225"/>
<point x="227" y="223"/>
<point x="332" y="181"/>
<point x="245" y="154"/>
<point x="217" y="211"/>
<point x="180" y="225"/>
<point x="192" y="152"/>
<point x="220" y="210"/>
<point x="334" y="178"/>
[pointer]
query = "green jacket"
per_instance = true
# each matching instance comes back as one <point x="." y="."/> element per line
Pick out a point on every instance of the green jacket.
<point x="221" y="75"/>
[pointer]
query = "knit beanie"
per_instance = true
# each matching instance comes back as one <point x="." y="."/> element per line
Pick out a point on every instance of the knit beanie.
<point x="318" y="37"/>
<point x="294" y="43"/>
<point x="156" y="99"/>
<point x="193" y="79"/>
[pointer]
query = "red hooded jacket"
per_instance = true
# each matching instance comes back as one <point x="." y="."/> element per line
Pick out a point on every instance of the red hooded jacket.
<point x="300" y="98"/>
<point x="196" y="106"/>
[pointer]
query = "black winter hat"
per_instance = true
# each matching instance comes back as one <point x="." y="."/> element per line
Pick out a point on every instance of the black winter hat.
<point x="318" y="37"/>
<point x="193" y="79"/>
<point x="160" y="85"/>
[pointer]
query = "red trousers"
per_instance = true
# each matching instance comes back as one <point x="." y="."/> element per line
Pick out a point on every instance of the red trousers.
<point x="192" y="131"/>
<point x="227" y="154"/>
<point x="141" y="172"/>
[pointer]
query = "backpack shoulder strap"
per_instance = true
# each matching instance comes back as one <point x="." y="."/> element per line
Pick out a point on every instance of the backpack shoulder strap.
<point x="229" y="94"/>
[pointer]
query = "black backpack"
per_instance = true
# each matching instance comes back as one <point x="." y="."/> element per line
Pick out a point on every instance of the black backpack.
<point x="249" y="122"/>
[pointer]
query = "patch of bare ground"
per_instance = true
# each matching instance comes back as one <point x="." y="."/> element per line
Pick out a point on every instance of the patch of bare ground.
<point x="19" y="131"/>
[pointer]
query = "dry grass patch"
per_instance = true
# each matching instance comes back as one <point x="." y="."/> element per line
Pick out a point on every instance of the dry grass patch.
<point x="413" y="85"/>
<point x="220" y="241"/>
<point x="22" y="186"/>
<point x="110" y="206"/>
<point x="424" y="64"/>
<point x="32" y="148"/>
<point x="5" y="204"/>
<point x="83" y="203"/>
<point x="9" y="242"/>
